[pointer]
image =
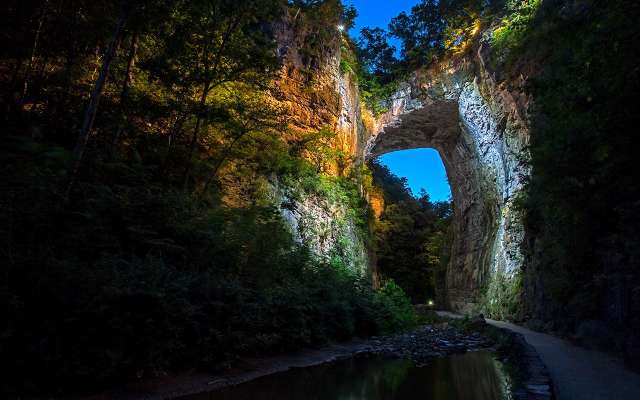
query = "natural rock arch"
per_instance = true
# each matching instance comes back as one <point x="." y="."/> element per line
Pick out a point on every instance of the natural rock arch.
<point x="478" y="131"/>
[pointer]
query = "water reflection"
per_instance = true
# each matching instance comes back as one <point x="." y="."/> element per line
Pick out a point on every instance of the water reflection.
<point x="471" y="376"/>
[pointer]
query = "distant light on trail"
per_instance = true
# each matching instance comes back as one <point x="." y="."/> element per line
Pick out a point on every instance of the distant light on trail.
<point x="341" y="28"/>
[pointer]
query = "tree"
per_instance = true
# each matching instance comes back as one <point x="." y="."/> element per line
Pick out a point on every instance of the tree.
<point x="420" y="31"/>
<point x="376" y="54"/>
<point x="412" y="236"/>
<point x="207" y="46"/>
<point x="426" y="31"/>
<point x="94" y="100"/>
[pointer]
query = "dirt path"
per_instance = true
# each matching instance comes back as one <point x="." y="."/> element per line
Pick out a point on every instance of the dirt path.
<point x="578" y="373"/>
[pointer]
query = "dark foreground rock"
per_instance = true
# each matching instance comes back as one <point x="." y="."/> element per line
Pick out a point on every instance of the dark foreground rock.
<point x="429" y="341"/>
<point x="531" y="380"/>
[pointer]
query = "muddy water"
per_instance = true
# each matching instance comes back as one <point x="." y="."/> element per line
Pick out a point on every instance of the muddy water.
<point x="470" y="376"/>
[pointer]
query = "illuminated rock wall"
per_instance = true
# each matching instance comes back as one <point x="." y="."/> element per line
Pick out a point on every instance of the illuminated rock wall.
<point x="477" y="125"/>
<point x="478" y="130"/>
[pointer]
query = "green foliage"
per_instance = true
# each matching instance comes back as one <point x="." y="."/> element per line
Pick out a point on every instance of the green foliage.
<point x="346" y="67"/>
<point x="343" y="191"/>
<point x="165" y="254"/>
<point x="397" y="312"/>
<point x="501" y="299"/>
<point x="319" y="24"/>
<point x="412" y="237"/>
<point x="513" y="28"/>
<point x="582" y="206"/>
<point x="312" y="176"/>
<point x="163" y="280"/>
<point x="322" y="149"/>
<point x="434" y="27"/>
<point x="377" y="77"/>
<point x="375" y="95"/>
<point x="376" y="54"/>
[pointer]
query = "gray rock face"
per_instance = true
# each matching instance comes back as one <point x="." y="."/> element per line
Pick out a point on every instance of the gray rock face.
<point x="326" y="227"/>
<point x="482" y="144"/>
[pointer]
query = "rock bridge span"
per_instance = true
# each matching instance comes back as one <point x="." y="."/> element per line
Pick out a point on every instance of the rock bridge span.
<point x="479" y="131"/>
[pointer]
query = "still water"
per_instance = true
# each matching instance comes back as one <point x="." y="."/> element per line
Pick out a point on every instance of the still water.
<point x="470" y="376"/>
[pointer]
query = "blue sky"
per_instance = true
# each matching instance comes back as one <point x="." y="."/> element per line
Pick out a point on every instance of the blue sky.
<point x="423" y="168"/>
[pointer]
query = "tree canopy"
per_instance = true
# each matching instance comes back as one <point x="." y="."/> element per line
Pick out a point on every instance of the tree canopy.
<point x="412" y="237"/>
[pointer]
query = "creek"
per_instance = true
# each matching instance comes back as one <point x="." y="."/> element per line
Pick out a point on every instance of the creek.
<point x="470" y="376"/>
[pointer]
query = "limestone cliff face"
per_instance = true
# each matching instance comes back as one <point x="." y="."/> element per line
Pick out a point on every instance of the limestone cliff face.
<point x="326" y="227"/>
<point x="317" y="95"/>
<point x="477" y="124"/>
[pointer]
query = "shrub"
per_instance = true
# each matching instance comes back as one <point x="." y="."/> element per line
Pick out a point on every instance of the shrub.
<point x="501" y="299"/>
<point x="396" y="311"/>
<point x="131" y="279"/>
<point x="515" y="26"/>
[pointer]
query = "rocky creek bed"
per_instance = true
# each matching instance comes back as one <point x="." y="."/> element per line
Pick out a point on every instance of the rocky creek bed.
<point x="428" y="341"/>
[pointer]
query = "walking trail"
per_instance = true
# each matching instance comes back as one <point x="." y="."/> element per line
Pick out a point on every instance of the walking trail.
<point x="578" y="373"/>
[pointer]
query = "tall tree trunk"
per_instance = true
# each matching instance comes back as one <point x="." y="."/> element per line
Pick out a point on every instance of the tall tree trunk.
<point x="97" y="64"/>
<point x="94" y="100"/>
<point x="207" y="87"/>
<point x="131" y="57"/>
<point x="196" y="131"/>
<point x="173" y="134"/>
<point x="124" y="93"/>
<point x="34" y="52"/>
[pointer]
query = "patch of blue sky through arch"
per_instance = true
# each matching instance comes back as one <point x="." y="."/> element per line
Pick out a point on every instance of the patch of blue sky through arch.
<point x="423" y="168"/>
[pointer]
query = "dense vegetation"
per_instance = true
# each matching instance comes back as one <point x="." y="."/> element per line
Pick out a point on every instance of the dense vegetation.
<point x="413" y="237"/>
<point x="137" y="222"/>
<point x="437" y="28"/>
<point x="583" y="196"/>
